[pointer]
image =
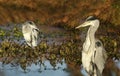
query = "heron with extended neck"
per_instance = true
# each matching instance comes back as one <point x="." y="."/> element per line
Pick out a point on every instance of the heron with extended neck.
<point x="93" y="53"/>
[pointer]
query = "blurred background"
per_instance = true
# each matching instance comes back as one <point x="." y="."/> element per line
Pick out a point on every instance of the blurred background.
<point x="59" y="53"/>
<point x="53" y="12"/>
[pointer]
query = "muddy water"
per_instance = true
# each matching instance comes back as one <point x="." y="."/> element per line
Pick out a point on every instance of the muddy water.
<point x="57" y="55"/>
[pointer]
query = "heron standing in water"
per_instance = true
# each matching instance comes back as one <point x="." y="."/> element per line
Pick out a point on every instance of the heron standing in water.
<point x="93" y="53"/>
<point x="30" y="33"/>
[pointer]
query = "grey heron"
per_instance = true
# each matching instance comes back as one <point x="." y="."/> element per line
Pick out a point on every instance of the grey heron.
<point x="93" y="54"/>
<point x="30" y="33"/>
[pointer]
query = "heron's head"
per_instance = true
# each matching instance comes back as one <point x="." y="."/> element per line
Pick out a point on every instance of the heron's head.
<point x="30" y="23"/>
<point x="90" y="21"/>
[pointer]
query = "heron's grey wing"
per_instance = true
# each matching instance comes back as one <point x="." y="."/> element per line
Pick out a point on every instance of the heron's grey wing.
<point x="99" y="44"/>
<point x="105" y="55"/>
<point x="34" y="37"/>
<point x="100" y="56"/>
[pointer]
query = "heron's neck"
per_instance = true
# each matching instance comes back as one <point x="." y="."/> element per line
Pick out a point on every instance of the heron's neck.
<point x="90" y="38"/>
<point x="91" y="34"/>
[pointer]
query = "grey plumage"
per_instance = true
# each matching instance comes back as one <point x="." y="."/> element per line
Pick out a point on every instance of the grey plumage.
<point x="93" y="53"/>
<point x="30" y="33"/>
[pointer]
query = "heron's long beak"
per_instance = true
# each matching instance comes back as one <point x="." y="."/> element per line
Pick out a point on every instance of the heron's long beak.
<point x="87" y="23"/>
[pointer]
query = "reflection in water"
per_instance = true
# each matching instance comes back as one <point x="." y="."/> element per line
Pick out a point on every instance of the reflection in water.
<point x="117" y="62"/>
<point x="84" y="72"/>
<point x="21" y="60"/>
<point x="34" y="70"/>
<point x="65" y="69"/>
<point x="111" y="68"/>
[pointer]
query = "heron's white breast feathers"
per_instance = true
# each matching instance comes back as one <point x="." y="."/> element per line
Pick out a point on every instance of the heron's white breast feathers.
<point x="27" y="37"/>
<point x="26" y="29"/>
<point x="86" y="60"/>
<point x="30" y="33"/>
<point x="86" y="45"/>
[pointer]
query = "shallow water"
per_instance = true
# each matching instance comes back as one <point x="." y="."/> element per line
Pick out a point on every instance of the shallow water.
<point x="34" y="70"/>
<point x="57" y="55"/>
<point x="48" y="70"/>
